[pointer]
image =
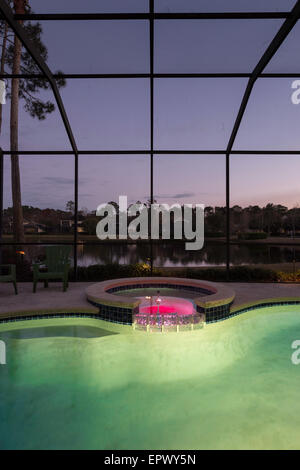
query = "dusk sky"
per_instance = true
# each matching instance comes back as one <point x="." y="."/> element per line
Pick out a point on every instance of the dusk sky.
<point x="189" y="113"/>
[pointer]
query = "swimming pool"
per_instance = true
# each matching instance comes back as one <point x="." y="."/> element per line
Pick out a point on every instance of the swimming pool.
<point x="86" y="384"/>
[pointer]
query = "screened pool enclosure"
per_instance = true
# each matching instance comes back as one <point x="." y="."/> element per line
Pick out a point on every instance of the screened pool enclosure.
<point x="170" y="101"/>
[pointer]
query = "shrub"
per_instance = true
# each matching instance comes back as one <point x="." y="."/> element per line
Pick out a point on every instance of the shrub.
<point x="214" y="234"/>
<point x="289" y="277"/>
<point x="252" y="236"/>
<point x="244" y="273"/>
<point x="98" y="272"/>
<point x="209" y="274"/>
<point x="238" y="273"/>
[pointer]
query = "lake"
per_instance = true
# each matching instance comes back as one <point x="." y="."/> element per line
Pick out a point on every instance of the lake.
<point x="173" y="255"/>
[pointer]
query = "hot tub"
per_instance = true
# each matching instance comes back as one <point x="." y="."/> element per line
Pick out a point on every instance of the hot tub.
<point x="184" y="303"/>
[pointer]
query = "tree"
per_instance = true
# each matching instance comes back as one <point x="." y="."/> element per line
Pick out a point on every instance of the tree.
<point x="70" y="207"/>
<point x="4" y="34"/>
<point x="19" y="61"/>
<point x="89" y="225"/>
<point x="84" y="211"/>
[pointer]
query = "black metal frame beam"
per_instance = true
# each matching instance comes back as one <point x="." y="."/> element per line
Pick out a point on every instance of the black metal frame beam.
<point x="265" y="59"/>
<point x="151" y="68"/>
<point x="88" y="76"/>
<point x="1" y="201"/>
<point x="151" y="15"/>
<point x="148" y="152"/>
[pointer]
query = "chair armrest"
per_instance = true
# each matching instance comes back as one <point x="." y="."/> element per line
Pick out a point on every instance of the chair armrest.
<point x="13" y="270"/>
<point x="36" y="267"/>
<point x="67" y="267"/>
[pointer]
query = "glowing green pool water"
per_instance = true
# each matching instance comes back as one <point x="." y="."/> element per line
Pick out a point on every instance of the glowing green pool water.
<point x="85" y="384"/>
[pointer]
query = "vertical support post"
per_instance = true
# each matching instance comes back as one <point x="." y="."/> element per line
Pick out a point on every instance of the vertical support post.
<point x="75" y="239"/>
<point x="151" y="31"/>
<point x="1" y="201"/>
<point x="228" y="216"/>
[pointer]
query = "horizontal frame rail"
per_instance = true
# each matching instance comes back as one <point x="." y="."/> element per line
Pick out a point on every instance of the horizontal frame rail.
<point x="154" y="16"/>
<point x="148" y="152"/>
<point x="88" y="76"/>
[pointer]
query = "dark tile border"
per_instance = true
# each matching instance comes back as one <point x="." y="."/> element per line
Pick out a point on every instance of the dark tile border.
<point x="199" y="290"/>
<point x="254" y="307"/>
<point x="213" y="314"/>
<point x="116" y="315"/>
<point x="44" y="316"/>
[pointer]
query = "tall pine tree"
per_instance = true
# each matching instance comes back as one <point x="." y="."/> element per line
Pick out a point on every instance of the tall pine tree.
<point x="16" y="60"/>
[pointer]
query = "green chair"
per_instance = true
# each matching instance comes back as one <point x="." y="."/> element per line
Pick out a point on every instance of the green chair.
<point x="10" y="275"/>
<point x="56" y="266"/>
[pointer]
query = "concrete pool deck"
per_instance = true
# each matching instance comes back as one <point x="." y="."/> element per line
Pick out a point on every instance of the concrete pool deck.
<point x="53" y="299"/>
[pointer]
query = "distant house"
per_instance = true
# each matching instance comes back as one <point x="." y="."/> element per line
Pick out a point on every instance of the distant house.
<point x="7" y="224"/>
<point x="34" y="227"/>
<point x="66" y="225"/>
